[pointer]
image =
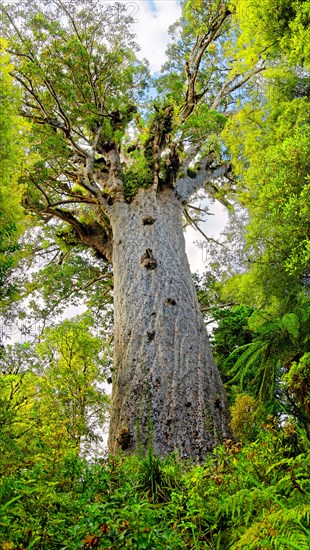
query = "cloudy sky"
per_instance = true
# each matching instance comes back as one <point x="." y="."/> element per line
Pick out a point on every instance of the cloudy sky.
<point x="152" y="20"/>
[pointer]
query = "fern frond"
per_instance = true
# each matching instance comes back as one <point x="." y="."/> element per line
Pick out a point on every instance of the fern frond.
<point x="252" y="351"/>
<point x="282" y="529"/>
<point x="291" y="323"/>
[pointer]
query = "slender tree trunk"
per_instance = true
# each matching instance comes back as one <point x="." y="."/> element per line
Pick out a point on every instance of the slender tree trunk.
<point x="167" y="392"/>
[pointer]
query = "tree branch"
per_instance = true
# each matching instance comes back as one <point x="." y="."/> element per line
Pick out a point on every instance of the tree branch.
<point x="199" y="209"/>
<point x="76" y="199"/>
<point x="193" y="65"/>
<point x="90" y="186"/>
<point x="115" y="182"/>
<point x="204" y="179"/>
<point x="233" y="84"/>
<point x="196" y="226"/>
<point x="93" y="235"/>
<point x="89" y="73"/>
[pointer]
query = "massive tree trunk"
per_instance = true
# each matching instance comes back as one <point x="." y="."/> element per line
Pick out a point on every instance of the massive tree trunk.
<point x="167" y="393"/>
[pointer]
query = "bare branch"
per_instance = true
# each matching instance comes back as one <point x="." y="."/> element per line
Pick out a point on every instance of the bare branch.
<point x="196" y="226"/>
<point x="205" y="178"/>
<point x="233" y="84"/>
<point x="193" y="65"/>
<point x="200" y="210"/>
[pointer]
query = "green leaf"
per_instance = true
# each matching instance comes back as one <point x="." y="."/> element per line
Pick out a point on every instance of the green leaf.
<point x="291" y="323"/>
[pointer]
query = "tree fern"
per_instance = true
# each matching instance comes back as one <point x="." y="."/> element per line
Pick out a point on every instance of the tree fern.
<point x="276" y="344"/>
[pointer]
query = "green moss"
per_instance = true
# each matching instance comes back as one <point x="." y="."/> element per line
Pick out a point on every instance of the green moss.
<point x="191" y="173"/>
<point x="137" y="174"/>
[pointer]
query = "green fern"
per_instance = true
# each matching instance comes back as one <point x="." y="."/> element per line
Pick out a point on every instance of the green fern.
<point x="277" y="343"/>
<point x="283" y="528"/>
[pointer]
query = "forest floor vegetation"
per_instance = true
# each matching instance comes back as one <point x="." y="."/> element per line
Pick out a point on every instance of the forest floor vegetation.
<point x="244" y="496"/>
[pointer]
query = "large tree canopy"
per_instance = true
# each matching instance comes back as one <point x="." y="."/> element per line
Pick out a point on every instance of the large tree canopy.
<point x="95" y="141"/>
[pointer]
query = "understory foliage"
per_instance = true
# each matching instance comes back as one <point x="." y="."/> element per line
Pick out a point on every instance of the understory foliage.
<point x="242" y="497"/>
<point x="52" y="398"/>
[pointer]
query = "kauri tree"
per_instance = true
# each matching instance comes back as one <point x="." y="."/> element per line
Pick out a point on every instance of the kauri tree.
<point x="114" y="172"/>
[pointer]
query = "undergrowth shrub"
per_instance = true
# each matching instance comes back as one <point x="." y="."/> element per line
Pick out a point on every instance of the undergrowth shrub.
<point x="243" y="413"/>
<point x="251" y="496"/>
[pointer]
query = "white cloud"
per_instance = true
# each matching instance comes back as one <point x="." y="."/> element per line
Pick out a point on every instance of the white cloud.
<point x="152" y="20"/>
<point x="212" y="227"/>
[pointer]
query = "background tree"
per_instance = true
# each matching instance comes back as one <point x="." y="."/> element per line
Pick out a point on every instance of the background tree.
<point x="52" y="395"/>
<point x="12" y="158"/>
<point x="269" y="139"/>
<point x="277" y="242"/>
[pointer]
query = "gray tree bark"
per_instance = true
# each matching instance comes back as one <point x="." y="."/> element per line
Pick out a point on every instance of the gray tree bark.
<point x="167" y="393"/>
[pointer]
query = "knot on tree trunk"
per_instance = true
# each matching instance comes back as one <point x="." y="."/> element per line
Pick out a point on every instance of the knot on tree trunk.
<point x="148" y="220"/>
<point x="123" y="439"/>
<point x="170" y="301"/>
<point x="147" y="260"/>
